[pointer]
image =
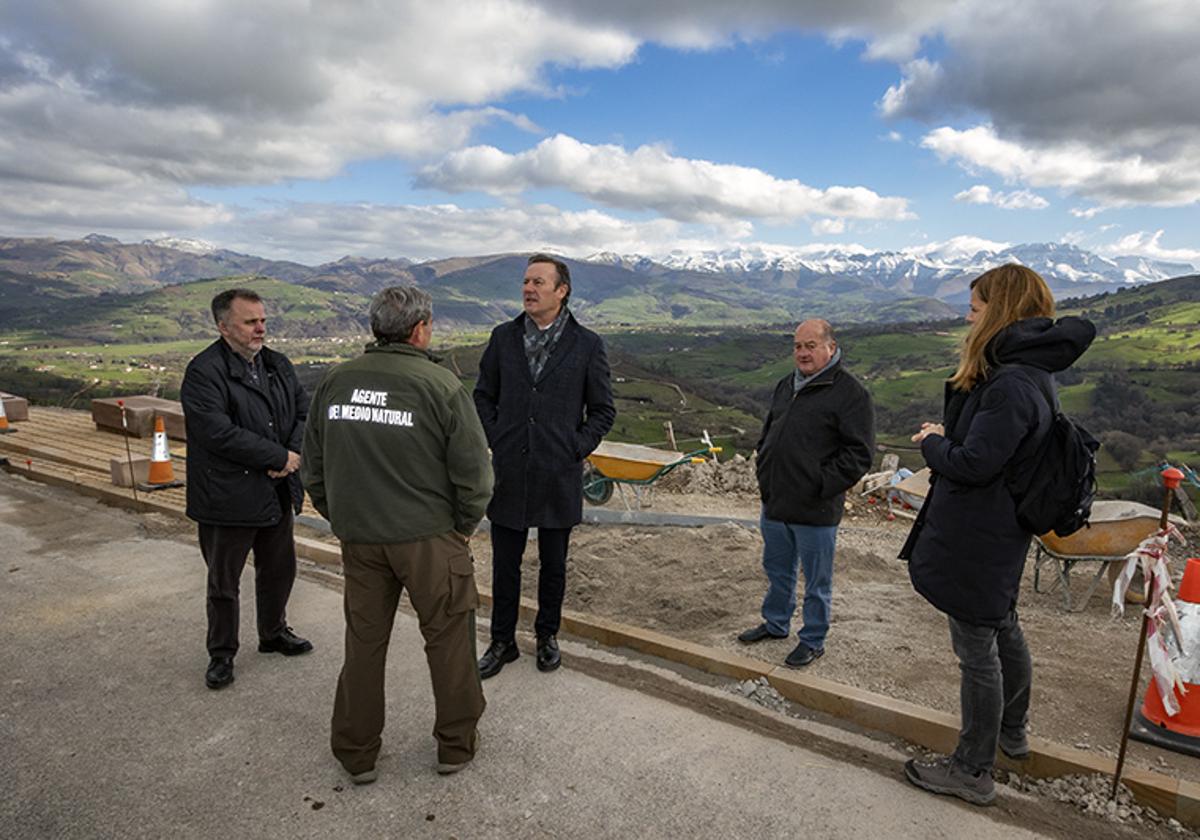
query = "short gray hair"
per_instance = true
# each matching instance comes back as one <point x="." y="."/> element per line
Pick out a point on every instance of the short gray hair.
<point x="396" y="311"/>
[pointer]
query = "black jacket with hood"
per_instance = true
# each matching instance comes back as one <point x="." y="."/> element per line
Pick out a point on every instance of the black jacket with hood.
<point x="966" y="551"/>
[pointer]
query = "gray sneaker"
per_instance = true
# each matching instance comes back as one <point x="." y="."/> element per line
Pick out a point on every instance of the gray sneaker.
<point x="945" y="775"/>
<point x="1015" y="746"/>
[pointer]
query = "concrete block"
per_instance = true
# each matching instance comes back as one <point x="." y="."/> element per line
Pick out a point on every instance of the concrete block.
<point x="120" y="469"/>
<point x="140" y="412"/>
<point x="15" y="408"/>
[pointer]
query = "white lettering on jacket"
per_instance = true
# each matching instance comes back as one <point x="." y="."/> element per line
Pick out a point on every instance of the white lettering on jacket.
<point x="366" y="414"/>
<point x="362" y="396"/>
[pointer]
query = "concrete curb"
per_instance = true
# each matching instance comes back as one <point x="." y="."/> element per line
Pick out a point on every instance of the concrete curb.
<point x="931" y="729"/>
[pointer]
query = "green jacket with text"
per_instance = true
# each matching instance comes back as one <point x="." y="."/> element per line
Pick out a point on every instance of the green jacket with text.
<point x="394" y="450"/>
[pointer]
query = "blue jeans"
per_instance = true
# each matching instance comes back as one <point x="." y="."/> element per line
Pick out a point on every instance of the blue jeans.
<point x="994" y="692"/>
<point x="786" y="548"/>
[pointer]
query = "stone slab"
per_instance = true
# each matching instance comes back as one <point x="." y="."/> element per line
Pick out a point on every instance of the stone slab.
<point x="16" y="408"/>
<point x="120" y="469"/>
<point x="140" y="412"/>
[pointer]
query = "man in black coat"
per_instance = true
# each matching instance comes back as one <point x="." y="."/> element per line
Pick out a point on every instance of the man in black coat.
<point x="816" y="443"/>
<point x="545" y="400"/>
<point x="245" y="412"/>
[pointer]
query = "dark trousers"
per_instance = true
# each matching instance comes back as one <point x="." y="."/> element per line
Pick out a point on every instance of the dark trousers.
<point x="508" y="547"/>
<point x="997" y="672"/>
<point x="225" y="550"/>
<point x="439" y="575"/>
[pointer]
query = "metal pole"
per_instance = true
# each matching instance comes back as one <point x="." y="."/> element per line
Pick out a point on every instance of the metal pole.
<point x="1171" y="478"/>
<point x="128" y="453"/>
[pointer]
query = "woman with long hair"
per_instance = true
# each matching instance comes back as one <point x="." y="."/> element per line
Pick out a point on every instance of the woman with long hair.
<point x="966" y="551"/>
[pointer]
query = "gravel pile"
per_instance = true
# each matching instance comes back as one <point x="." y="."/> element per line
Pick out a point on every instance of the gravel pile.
<point x="735" y="475"/>
<point x="1089" y="794"/>
<point x="762" y="693"/>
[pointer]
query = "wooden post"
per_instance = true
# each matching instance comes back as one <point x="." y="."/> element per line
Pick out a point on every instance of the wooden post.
<point x="670" y="436"/>
<point x="1171" y="479"/>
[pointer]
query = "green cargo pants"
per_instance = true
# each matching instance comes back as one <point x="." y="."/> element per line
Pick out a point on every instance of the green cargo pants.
<point x="439" y="574"/>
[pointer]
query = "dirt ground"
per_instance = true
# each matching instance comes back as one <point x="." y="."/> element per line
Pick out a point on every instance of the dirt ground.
<point x="706" y="585"/>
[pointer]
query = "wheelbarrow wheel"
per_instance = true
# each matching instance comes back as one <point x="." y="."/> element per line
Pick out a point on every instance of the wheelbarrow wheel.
<point x="596" y="488"/>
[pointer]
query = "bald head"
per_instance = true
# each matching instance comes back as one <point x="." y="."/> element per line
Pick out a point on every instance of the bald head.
<point x="813" y="346"/>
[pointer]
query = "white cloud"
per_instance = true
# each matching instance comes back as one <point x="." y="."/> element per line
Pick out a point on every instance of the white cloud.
<point x="651" y="178"/>
<point x="1018" y="200"/>
<point x="224" y="92"/>
<point x="1145" y="244"/>
<point x="824" y="227"/>
<point x="1107" y="177"/>
<point x="131" y="206"/>
<point x="891" y="30"/>
<point x="1081" y="95"/>
<point x="315" y="232"/>
<point x="1086" y="212"/>
<point x="109" y="113"/>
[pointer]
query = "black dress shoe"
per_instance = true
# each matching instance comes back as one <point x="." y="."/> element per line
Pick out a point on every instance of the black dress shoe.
<point x="548" y="657"/>
<point x="287" y="643"/>
<point x="219" y="673"/>
<point x="802" y="655"/>
<point x="497" y="654"/>
<point x="757" y="634"/>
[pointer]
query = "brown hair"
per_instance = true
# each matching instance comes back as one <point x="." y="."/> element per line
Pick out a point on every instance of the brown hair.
<point x="1012" y="293"/>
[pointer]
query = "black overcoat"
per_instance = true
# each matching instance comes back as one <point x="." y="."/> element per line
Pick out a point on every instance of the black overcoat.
<point x="236" y="431"/>
<point x="966" y="551"/>
<point x="540" y="432"/>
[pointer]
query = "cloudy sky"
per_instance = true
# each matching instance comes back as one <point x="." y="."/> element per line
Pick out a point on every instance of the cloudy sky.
<point x="312" y="129"/>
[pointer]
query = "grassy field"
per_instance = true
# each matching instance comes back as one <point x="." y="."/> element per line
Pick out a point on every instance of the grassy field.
<point x="1141" y="376"/>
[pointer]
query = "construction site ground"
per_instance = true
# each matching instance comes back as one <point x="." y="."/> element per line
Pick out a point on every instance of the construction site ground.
<point x="706" y="585"/>
<point x="106" y="728"/>
<point x="699" y="584"/>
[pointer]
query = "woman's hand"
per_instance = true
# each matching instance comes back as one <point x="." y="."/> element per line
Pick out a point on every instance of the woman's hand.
<point x="928" y="429"/>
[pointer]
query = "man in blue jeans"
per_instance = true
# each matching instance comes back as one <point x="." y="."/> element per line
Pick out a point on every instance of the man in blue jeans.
<point x="816" y="443"/>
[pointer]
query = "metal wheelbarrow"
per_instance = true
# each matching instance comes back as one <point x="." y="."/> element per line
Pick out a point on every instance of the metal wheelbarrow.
<point x="633" y="466"/>
<point x="1116" y="528"/>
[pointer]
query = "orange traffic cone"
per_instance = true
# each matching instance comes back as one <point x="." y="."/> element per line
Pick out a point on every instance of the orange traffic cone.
<point x="5" y="429"/>
<point x="1153" y="724"/>
<point x="161" y="473"/>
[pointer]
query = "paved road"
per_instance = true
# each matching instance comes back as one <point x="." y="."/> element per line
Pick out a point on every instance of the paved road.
<point x="106" y="728"/>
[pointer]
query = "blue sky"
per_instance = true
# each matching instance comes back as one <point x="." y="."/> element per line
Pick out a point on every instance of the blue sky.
<point x="314" y="130"/>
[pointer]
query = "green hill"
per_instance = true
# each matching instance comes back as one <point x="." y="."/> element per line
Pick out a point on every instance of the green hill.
<point x="182" y="312"/>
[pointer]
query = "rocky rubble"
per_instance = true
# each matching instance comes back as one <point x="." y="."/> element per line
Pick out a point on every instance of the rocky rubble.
<point x="1089" y="794"/>
<point x="735" y="475"/>
<point x="761" y="692"/>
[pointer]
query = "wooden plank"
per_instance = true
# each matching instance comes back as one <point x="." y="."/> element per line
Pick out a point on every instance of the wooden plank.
<point x="935" y="730"/>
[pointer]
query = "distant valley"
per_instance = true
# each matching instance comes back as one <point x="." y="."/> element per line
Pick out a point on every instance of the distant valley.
<point x="43" y="280"/>
<point x="698" y="345"/>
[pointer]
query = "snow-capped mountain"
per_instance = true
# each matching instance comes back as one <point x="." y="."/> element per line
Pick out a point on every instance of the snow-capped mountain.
<point x="180" y="243"/>
<point x="943" y="270"/>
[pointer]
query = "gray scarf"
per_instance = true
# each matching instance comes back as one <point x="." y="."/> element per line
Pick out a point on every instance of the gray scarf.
<point x="539" y="343"/>
<point x="799" y="380"/>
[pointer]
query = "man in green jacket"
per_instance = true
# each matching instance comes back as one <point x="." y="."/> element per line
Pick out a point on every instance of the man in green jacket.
<point x="395" y="458"/>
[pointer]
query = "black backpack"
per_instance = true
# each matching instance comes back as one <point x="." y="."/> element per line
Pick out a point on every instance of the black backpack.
<point x="1057" y="495"/>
